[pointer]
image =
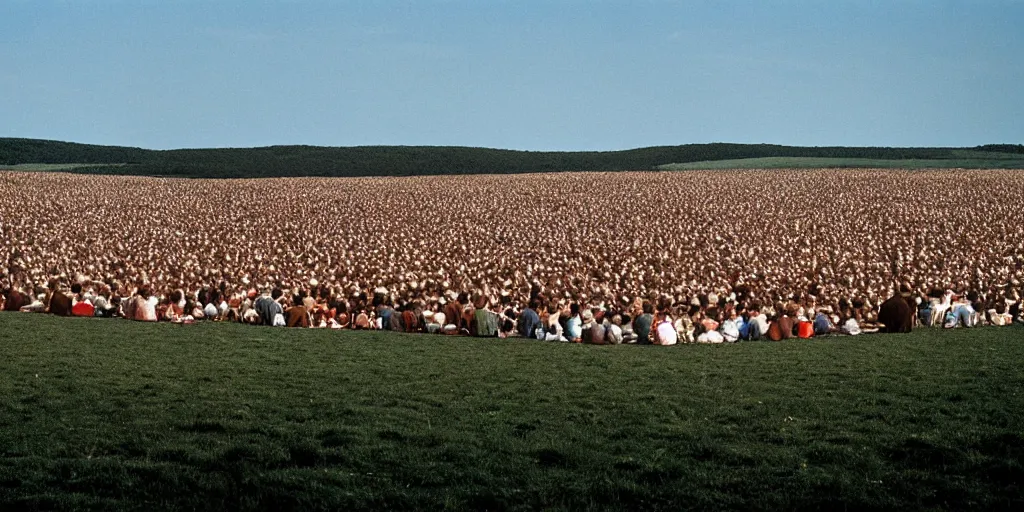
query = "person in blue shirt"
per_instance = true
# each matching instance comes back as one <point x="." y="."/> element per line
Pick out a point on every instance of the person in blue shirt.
<point x="574" y="326"/>
<point x="528" y="320"/>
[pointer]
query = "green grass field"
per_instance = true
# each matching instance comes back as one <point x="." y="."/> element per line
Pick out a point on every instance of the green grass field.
<point x="110" y="414"/>
<point x="970" y="160"/>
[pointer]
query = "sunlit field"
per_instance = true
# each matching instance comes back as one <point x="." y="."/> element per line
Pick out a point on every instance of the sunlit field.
<point x="111" y="414"/>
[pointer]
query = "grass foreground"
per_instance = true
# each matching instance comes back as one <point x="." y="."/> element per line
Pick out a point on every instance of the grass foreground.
<point x="111" y="414"/>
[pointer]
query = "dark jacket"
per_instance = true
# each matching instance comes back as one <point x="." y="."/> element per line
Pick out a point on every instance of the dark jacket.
<point x="60" y="304"/>
<point x="896" y="314"/>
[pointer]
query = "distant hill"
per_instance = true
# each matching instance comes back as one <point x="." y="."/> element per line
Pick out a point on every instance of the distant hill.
<point x="278" y="161"/>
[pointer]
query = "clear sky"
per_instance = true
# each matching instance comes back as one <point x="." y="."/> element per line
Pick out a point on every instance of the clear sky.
<point x="526" y="74"/>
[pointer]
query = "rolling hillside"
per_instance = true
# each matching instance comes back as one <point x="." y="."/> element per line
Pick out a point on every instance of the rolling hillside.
<point x="283" y="161"/>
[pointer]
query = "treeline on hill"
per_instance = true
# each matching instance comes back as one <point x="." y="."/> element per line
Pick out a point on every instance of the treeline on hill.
<point x="277" y="161"/>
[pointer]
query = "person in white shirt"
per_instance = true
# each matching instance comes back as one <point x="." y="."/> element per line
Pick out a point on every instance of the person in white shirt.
<point x="613" y="335"/>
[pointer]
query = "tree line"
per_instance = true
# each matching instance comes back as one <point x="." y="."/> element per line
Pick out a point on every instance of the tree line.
<point x="284" y="161"/>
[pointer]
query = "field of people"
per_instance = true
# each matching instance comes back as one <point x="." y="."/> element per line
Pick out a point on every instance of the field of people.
<point x="106" y="415"/>
<point x="817" y="238"/>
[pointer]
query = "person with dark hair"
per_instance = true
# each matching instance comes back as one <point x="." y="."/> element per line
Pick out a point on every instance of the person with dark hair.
<point x="297" y="315"/>
<point x="145" y="306"/>
<point x="453" y="314"/>
<point x="396" y="320"/>
<point x="529" y="320"/>
<point x="573" y="326"/>
<point x="896" y="314"/>
<point x="628" y="335"/>
<point x="383" y="311"/>
<point x="60" y="303"/>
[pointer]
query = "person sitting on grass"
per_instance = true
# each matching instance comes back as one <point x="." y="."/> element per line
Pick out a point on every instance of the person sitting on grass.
<point x="597" y="332"/>
<point x="13" y="299"/>
<point x="81" y="304"/>
<point x="895" y="314"/>
<point x="730" y="327"/>
<point x="267" y="305"/>
<point x="574" y="324"/>
<point x="628" y="335"/>
<point x="664" y="330"/>
<point x="485" y="321"/>
<point x="175" y="307"/>
<point x="143" y="307"/>
<point x="296" y="314"/>
<point x="614" y="335"/>
<point x="822" y="323"/>
<point x="60" y="302"/>
<point x="642" y="324"/>
<point x="529" y="320"/>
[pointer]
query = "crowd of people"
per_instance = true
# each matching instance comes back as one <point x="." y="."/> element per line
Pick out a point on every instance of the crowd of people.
<point x="645" y="257"/>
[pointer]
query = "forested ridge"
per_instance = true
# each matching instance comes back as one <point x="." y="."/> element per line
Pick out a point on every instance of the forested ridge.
<point x="278" y="161"/>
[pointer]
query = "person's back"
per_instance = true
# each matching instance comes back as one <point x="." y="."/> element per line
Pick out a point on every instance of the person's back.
<point x="60" y="304"/>
<point x="145" y="310"/>
<point x="15" y="300"/>
<point x="297" y="316"/>
<point x="614" y="334"/>
<point x="83" y="308"/>
<point x="527" y="323"/>
<point x="761" y="320"/>
<point x="384" y="313"/>
<point x="396" y="321"/>
<point x="573" y="329"/>
<point x="964" y="313"/>
<point x="410" y="321"/>
<point x="597" y="334"/>
<point x="730" y="330"/>
<point x="453" y="313"/>
<point x="266" y="307"/>
<point x="821" y="324"/>
<point x="485" y="323"/>
<point x="896" y="315"/>
<point x="786" y="325"/>
<point x="628" y="335"/>
<point x="665" y="331"/>
<point x="642" y="328"/>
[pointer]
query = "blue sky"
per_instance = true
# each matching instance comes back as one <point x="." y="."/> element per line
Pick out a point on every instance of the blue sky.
<point x="537" y="75"/>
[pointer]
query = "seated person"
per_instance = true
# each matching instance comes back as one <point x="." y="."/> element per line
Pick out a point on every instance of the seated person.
<point x="60" y="303"/>
<point x="614" y="331"/>
<point x="597" y="332"/>
<point x="628" y="335"/>
<point x="664" y="330"/>
<point x="296" y="315"/>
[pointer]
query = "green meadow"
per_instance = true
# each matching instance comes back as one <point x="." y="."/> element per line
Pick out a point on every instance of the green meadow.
<point x="115" y="415"/>
<point x="981" y="160"/>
